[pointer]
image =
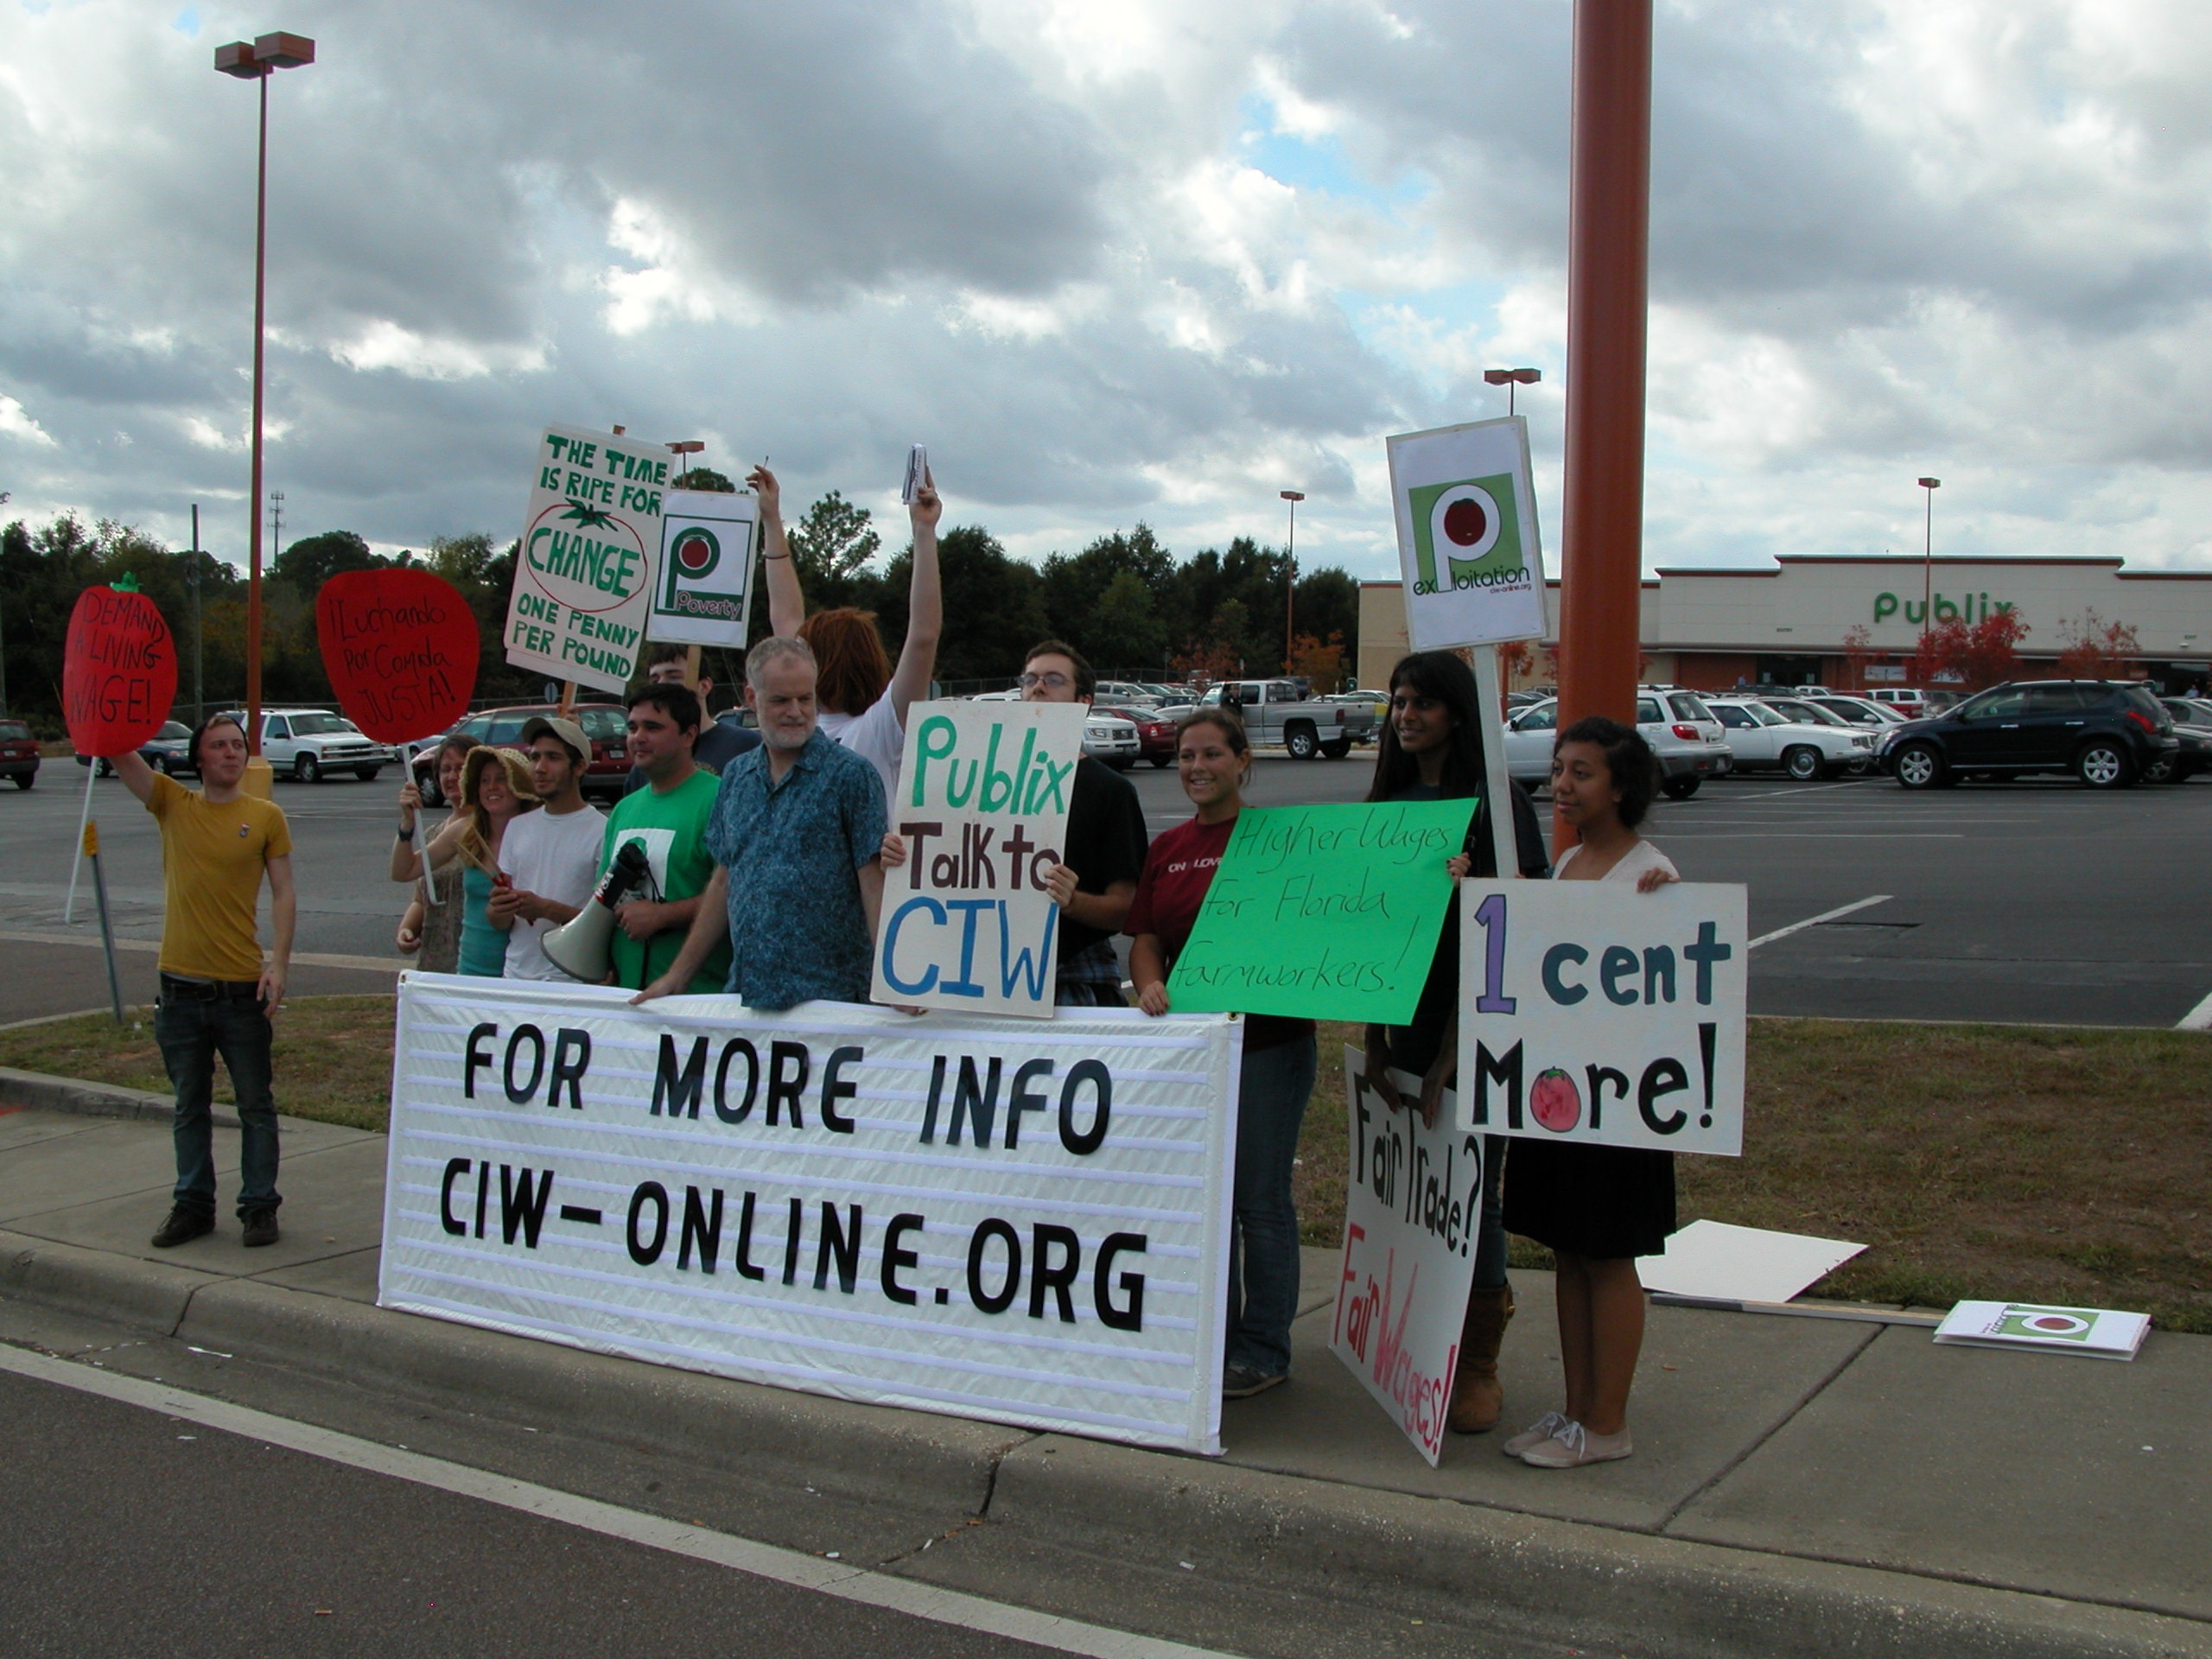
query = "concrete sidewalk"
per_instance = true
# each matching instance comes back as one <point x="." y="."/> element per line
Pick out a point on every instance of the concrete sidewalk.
<point x="1800" y="1485"/>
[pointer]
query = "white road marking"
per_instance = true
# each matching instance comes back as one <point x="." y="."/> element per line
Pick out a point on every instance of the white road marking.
<point x="790" y="1567"/>
<point x="2197" y="1018"/>
<point x="1782" y="832"/>
<point x="1808" y="789"/>
<point x="1815" y="921"/>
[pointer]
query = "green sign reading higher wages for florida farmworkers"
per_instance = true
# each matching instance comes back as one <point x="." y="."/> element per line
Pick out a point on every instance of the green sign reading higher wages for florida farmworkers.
<point x="1329" y="912"/>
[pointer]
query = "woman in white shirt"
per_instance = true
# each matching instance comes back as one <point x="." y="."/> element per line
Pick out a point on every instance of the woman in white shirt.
<point x="863" y="700"/>
<point x="1598" y="1208"/>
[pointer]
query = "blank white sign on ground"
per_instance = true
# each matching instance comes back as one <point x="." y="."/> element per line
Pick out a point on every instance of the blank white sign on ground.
<point x="1723" y="1263"/>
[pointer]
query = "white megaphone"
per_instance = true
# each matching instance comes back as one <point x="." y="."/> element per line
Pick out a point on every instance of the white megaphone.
<point x="579" y="947"/>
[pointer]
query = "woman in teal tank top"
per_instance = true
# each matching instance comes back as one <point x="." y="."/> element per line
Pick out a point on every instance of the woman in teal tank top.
<point x="495" y="787"/>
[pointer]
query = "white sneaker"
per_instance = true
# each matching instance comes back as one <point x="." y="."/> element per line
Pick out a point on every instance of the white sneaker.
<point x="1575" y="1445"/>
<point x="1536" y="1433"/>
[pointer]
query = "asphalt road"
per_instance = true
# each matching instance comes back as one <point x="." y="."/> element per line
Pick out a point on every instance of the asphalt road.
<point x="2028" y="901"/>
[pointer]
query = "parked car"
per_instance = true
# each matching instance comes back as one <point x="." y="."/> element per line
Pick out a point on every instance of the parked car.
<point x="1155" y="734"/>
<point x="307" y="744"/>
<point x="1762" y="738"/>
<point x="1275" y="712"/>
<point x="18" y="754"/>
<point x="1123" y="693"/>
<point x="606" y="724"/>
<point x="2107" y="735"/>
<point x="1690" y="748"/>
<point x="173" y="741"/>
<point x="2193" y="727"/>
<point x="1862" y="712"/>
<point x="1111" y="739"/>
<point x="1799" y="709"/>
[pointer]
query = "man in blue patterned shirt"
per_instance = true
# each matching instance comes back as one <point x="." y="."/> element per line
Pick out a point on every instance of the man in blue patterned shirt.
<point x="795" y="835"/>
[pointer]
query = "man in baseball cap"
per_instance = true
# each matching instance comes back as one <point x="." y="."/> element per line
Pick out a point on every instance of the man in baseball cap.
<point x="554" y="860"/>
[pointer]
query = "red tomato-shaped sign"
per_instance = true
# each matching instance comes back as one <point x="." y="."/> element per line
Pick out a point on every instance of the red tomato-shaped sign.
<point x="118" y="671"/>
<point x="400" y="646"/>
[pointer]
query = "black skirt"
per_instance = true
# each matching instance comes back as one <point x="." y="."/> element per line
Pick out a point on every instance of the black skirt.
<point x="1594" y="1201"/>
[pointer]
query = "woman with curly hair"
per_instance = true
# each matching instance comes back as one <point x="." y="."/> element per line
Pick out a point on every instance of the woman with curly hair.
<point x="862" y="699"/>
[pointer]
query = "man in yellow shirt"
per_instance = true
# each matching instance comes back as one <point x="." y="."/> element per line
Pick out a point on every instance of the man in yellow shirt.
<point x="217" y="996"/>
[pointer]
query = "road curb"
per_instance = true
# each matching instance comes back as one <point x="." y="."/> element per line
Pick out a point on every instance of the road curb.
<point x="1553" y="1581"/>
<point x="40" y="1092"/>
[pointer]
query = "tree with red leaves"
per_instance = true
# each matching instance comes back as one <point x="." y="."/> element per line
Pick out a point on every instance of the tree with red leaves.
<point x="1978" y="654"/>
<point x="2098" y="649"/>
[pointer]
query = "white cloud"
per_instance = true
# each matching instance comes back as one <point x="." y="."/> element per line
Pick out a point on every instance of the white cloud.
<point x="17" y="422"/>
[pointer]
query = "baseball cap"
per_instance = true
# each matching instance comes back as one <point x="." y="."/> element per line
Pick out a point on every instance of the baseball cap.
<point x="567" y="730"/>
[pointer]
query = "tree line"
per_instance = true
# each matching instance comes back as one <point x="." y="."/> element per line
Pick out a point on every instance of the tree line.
<point x="1126" y="601"/>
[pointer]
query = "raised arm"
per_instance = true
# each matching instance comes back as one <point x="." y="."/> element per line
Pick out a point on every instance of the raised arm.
<point x="137" y="777"/>
<point x="786" y="604"/>
<point x="910" y="681"/>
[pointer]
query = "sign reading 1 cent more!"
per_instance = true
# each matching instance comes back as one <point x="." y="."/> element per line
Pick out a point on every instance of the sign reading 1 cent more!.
<point x="400" y="646"/>
<point x="118" y="671"/>
<point x="591" y="545"/>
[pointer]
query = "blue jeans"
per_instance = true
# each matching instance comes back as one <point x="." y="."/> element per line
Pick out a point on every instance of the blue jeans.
<point x="192" y="1031"/>
<point x="1414" y="1051"/>
<point x="1271" y="1095"/>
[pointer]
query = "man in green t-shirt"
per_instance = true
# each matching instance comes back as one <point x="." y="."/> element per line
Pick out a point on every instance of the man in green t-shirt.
<point x="668" y="819"/>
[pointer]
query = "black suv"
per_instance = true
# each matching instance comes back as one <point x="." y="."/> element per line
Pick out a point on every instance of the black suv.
<point x="2105" y="734"/>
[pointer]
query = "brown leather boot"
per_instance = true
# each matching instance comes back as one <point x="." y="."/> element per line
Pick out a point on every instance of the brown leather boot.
<point x="1477" y="1397"/>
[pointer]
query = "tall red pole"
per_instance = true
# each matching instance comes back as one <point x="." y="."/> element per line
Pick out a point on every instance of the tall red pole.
<point x="1607" y="279"/>
<point x="253" y="540"/>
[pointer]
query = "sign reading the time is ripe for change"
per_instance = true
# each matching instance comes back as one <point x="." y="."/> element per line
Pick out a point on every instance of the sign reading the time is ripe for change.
<point x="1467" y="541"/>
<point x="400" y="646"/>
<point x="118" y="671"/>
<point x="1594" y="1013"/>
<point x="704" y="587"/>
<point x="590" y="543"/>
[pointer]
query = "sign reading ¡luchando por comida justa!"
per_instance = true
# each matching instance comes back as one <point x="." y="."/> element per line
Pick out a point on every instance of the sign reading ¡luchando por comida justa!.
<point x="584" y="573"/>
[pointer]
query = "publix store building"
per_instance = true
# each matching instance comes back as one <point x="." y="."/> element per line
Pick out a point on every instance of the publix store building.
<point x="1797" y="622"/>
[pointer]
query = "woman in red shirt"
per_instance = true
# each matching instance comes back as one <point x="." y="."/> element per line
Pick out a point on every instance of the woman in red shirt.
<point x="1214" y="759"/>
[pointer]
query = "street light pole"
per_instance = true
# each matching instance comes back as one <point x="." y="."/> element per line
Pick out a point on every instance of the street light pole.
<point x="1928" y="565"/>
<point x="257" y="61"/>
<point x="1290" y="587"/>
<point x="1512" y="381"/>
<point x="199" y="662"/>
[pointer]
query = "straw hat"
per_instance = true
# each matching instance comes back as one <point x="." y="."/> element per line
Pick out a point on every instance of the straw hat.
<point x="518" y="770"/>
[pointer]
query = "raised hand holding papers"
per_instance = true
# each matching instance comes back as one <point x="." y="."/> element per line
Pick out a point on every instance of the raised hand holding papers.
<point x="917" y="474"/>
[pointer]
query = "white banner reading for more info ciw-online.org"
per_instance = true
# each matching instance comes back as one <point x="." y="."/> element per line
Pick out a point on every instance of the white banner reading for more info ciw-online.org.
<point x="1019" y="1220"/>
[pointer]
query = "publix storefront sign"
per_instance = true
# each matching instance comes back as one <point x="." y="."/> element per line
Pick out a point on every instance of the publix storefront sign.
<point x="1967" y="608"/>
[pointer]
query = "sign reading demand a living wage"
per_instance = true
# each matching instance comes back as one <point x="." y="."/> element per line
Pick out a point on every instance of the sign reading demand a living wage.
<point x="701" y="591"/>
<point x="968" y="923"/>
<point x="1011" y="1220"/>
<point x="118" y="671"/>
<point x="1331" y="912"/>
<point x="584" y="577"/>
<point x="1467" y="540"/>
<point x="1412" y="1202"/>
<point x="1591" y="1012"/>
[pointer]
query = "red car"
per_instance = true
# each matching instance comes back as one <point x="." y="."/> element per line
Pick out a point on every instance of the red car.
<point x="18" y="754"/>
<point x="1155" y="735"/>
<point x="606" y="724"/>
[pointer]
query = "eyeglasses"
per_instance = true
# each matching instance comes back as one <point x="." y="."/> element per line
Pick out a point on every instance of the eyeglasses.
<point x="1050" y="682"/>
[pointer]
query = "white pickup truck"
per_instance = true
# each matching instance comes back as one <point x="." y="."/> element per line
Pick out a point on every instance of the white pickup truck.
<point x="1275" y="712"/>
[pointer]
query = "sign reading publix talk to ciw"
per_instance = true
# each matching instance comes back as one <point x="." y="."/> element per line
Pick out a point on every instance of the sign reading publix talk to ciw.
<point x="1594" y="1013"/>
<point x="584" y="575"/>
<point x="1467" y="542"/>
<point x="1022" y="1221"/>
<point x="1411" y="1204"/>
<point x="983" y="794"/>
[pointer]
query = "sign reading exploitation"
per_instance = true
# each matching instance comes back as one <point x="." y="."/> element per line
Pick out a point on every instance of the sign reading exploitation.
<point x="118" y="671"/>
<point x="1326" y="912"/>
<point x="1467" y="540"/>
<point x="1411" y="1210"/>
<point x="1026" y="1222"/>
<point x="982" y="806"/>
<point x="584" y="578"/>
<point x="1591" y="1012"/>
<point x="704" y="587"/>
<point x="400" y="647"/>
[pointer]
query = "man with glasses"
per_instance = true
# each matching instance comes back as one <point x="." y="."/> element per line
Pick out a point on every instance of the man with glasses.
<point x="1097" y="874"/>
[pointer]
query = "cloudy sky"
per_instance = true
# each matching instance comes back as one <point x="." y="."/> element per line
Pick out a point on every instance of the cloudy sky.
<point x="1113" y="261"/>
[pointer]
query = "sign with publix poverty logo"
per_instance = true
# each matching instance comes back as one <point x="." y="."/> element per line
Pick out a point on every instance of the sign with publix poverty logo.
<point x="584" y="579"/>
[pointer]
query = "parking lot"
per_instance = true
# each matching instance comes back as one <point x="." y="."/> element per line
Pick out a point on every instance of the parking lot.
<point x="2037" y="901"/>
